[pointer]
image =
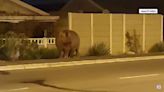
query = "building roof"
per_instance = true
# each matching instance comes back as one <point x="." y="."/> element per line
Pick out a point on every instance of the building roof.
<point x="83" y="6"/>
<point x="15" y="17"/>
<point x="29" y="7"/>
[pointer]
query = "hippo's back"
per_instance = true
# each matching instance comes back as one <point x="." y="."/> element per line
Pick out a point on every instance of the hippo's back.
<point x="75" y="39"/>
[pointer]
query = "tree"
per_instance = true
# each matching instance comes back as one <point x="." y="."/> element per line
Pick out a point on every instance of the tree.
<point x="133" y="43"/>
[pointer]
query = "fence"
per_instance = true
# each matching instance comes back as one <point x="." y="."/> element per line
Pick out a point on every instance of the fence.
<point x="112" y="28"/>
<point x="45" y="42"/>
<point x="42" y="42"/>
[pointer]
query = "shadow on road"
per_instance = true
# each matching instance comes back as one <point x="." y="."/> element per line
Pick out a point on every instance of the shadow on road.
<point x="41" y="83"/>
<point x="4" y="73"/>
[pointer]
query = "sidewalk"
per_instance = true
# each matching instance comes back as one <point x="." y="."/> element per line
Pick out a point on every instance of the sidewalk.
<point x="74" y="63"/>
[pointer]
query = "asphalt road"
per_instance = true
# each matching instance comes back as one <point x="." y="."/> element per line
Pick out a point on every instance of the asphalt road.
<point x="138" y="76"/>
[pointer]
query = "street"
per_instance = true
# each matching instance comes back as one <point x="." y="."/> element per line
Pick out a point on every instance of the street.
<point x="138" y="76"/>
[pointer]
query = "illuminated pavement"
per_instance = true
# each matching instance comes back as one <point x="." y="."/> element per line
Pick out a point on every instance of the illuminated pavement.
<point x="138" y="76"/>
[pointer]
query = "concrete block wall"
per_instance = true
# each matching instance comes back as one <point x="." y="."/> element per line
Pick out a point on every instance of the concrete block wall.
<point x="153" y="30"/>
<point x="100" y="30"/>
<point x="112" y="28"/>
<point x="117" y="34"/>
<point x="82" y="25"/>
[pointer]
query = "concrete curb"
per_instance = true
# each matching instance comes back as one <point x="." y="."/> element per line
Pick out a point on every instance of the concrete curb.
<point x="75" y="63"/>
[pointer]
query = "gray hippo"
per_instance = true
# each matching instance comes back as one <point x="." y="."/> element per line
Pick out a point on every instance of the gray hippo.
<point x="67" y="42"/>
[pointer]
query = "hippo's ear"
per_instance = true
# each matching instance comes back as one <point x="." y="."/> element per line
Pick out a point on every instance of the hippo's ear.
<point x="66" y="33"/>
<point x="63" y="34"/>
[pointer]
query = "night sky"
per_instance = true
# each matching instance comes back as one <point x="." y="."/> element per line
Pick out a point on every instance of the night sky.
<point x="47" y="5"/>
<point x="114" y="6"/>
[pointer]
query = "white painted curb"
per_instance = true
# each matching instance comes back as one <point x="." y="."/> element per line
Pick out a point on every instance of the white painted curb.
<point x="75" y="63"/>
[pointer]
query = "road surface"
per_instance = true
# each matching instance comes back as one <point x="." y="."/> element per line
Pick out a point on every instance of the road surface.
<point x="138" y="76"/>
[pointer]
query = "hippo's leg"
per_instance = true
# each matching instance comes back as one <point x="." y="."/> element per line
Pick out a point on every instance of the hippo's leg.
<point x="61" y="54"/>
<point x="66" y="53"/>
<point x="77" y="52"/>
<point x="71" y="53"/>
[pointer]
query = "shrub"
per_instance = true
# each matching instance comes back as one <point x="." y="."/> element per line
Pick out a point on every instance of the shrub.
<point x="133" y="43"/>
<point x="29" y="50"/>
<point x="2" y="53"/>
<point x="42" y="53"/>
<point x="10" y="43"/>
<point x="99" y="50"/>
<point x="30" y="54"/>
<point x="16" y="46"/>
<point x="159" y="47"/>
<point x="47" y="53"/>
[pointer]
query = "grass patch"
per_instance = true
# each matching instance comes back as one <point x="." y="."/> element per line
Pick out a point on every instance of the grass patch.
<point x="49" y="53"/>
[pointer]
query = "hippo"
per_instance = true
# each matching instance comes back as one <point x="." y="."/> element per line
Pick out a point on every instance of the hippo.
<point x="67" y="42"/>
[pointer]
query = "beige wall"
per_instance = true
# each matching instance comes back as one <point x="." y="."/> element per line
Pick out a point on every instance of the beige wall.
<point x="101" y="29"/>
<point x="10" y="7"/>
<point x="82" y="25"/>
<point x="117" y="33"/>
<point x="111" y="29"/>
<point x="152" y="30"/>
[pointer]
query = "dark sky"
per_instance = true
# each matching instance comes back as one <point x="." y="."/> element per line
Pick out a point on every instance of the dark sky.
<point x="115" y="6"/>
<point x="47" y="5"/>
